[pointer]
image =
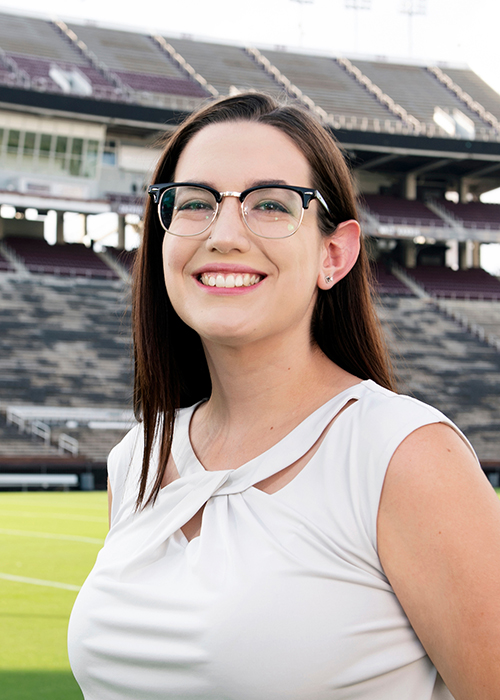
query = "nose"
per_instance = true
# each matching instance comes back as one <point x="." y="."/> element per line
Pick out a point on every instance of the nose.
<point x="228" y="231"/>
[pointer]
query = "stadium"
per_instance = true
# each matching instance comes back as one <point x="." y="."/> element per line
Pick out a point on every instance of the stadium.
<point x="82" y="112"/>
<point x="83" y="109"/>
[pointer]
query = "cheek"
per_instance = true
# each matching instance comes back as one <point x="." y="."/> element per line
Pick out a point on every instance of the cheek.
<point x="175" y="256"/>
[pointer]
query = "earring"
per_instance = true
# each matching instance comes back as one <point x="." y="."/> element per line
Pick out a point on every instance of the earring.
<point x="328" y="279"/>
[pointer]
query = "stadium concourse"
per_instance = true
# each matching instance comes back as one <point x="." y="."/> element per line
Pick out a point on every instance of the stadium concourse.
<point x="82" y="110"/>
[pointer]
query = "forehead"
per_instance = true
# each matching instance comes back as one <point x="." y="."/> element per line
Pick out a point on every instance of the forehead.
<point x="238" y="154"/>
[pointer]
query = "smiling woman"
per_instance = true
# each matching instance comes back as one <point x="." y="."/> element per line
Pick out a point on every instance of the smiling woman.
<point x="283" y="525"/>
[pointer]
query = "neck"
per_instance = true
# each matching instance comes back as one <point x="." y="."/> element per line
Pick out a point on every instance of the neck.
<point x="274" y="382"/>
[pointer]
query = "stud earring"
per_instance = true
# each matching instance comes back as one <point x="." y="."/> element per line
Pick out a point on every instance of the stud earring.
<point x="328" y="279"/>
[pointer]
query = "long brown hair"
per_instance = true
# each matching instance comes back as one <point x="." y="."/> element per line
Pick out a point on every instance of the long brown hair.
<point x="170" y="366"/>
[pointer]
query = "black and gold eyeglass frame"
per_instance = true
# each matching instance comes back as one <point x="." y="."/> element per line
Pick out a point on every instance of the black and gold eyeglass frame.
<point x="188" y="209"/>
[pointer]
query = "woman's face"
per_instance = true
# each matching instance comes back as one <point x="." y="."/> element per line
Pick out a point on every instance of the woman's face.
<point x="282" y="274"/>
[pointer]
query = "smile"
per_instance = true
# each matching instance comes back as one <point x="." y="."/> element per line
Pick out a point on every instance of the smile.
<point x="228" y="281"/>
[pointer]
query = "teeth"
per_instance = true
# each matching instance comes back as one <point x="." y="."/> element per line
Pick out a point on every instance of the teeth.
<point x="212" y="279"/>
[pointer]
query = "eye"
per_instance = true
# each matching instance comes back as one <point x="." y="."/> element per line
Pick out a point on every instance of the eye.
<point x="272" y="206"/>
<point x="194" y="205"/>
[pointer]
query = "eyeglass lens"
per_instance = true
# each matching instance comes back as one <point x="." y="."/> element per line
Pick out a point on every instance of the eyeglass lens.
<point x="269" y="212"/>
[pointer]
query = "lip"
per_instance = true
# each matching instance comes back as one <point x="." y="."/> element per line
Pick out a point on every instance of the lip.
<point x="227" y="268"/>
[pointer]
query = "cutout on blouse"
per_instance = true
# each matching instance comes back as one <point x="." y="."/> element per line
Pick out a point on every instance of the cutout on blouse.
<point x="274" y="483"/>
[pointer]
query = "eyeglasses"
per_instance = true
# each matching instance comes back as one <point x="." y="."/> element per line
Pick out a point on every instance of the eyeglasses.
<point x="188" y="209"/>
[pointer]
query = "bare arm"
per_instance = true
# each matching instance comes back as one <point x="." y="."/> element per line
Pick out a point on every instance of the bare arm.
<point x="439" y="544"/>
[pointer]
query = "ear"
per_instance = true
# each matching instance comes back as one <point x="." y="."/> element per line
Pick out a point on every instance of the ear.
<point x="340" y="251"/>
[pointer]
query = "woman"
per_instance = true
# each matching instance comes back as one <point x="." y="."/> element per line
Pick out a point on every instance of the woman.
<point x="282" y="524"/>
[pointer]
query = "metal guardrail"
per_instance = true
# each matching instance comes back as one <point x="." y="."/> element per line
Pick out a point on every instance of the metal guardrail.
<point x="29" y="424"/>
<point x="41" y="430"/>
<point x="66" y="443"/>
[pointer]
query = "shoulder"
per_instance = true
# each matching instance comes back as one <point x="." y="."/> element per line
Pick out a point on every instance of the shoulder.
<point x="124" y="458"/>
<point x="369" y="434"/>
<point x="386" y="419"/>
<point x="122" y="453"/>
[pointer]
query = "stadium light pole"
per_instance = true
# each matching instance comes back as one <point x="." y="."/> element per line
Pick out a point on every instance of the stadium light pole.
<point x="301" y="18"/>
<point x="357" y="5"/>
<point x="412" y="8"/>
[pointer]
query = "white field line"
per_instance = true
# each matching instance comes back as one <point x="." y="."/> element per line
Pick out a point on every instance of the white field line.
<point x="39" y="582"/>
<point x="51" y="536"/>
<point x="58" y="516"/>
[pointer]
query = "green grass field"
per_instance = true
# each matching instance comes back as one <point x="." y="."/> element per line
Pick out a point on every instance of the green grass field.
<point x="48" y="544"/>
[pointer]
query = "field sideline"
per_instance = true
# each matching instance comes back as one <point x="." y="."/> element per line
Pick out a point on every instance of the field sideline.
<point x="48" y="544"/>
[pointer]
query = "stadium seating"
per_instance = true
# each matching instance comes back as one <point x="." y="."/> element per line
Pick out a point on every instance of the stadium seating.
<point x="393" y="210"/>
<point x="386" y="283"/>
<point x="328" y="85"/>
<point x="440" y="363"/>
<point x="125" y="258"/>
<point x="477" y="88"/>
<point x="443" y="282"/>
<point x="477" y="215"/>
<point x="64" y="342"/>
<point x="482" y="314"/>
<point x="73" y="259"/>
<point x="64" y="323"/>
<point x="27" y="36"/>
<point x="137" y="61"/>
<point x="224" y="66"/>
<point x="415" y="89"/>
<point x="39" y="69"/>
<point x="5" y="265"/>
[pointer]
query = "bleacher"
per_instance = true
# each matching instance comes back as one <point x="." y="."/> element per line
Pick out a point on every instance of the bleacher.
<point x="445" y="283"/>
<point x="415" y="89"/>
<point x="5" y="265"/>
<point x="125" y="258"/>
<point x="64" y="328"/>
<point x="395" y="210"/>
<point x="138" y="62"/>
<point x="64" y="342"/>
<point x="328" y="85"/>
<point x="476" y="313"/>
<point x="474" y="86"/>
<point x="475" y="215"/>
<point x="30" y="37"/>
<point x="225" y="66"/>
<point x="386" y="283"/>
<point x="74" y="259"/>
<point x="440" y="363"/>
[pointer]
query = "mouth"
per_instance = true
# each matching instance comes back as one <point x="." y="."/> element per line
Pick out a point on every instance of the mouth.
<point x="229" y="280"/>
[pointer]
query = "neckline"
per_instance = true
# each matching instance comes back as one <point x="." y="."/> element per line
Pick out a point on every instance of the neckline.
<point x="287" y="450"/>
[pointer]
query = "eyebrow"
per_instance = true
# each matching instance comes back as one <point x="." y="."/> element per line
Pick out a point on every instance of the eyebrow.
<point x="255" y="183"/>
<point x="267" y="183"/>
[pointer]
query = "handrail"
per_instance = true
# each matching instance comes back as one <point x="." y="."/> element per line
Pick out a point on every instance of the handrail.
<point x="382" y="97"/>
<point x="290" y="87"/>
<point x="181" y="61"/>
<point x="464" y="97"/>
<point x="99" y="65"/>
<point x="41" y="430"/>
<point x="68" y="444"/>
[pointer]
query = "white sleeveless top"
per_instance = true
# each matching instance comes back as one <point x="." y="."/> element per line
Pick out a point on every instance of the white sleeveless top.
<point x="281" y="597"/>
